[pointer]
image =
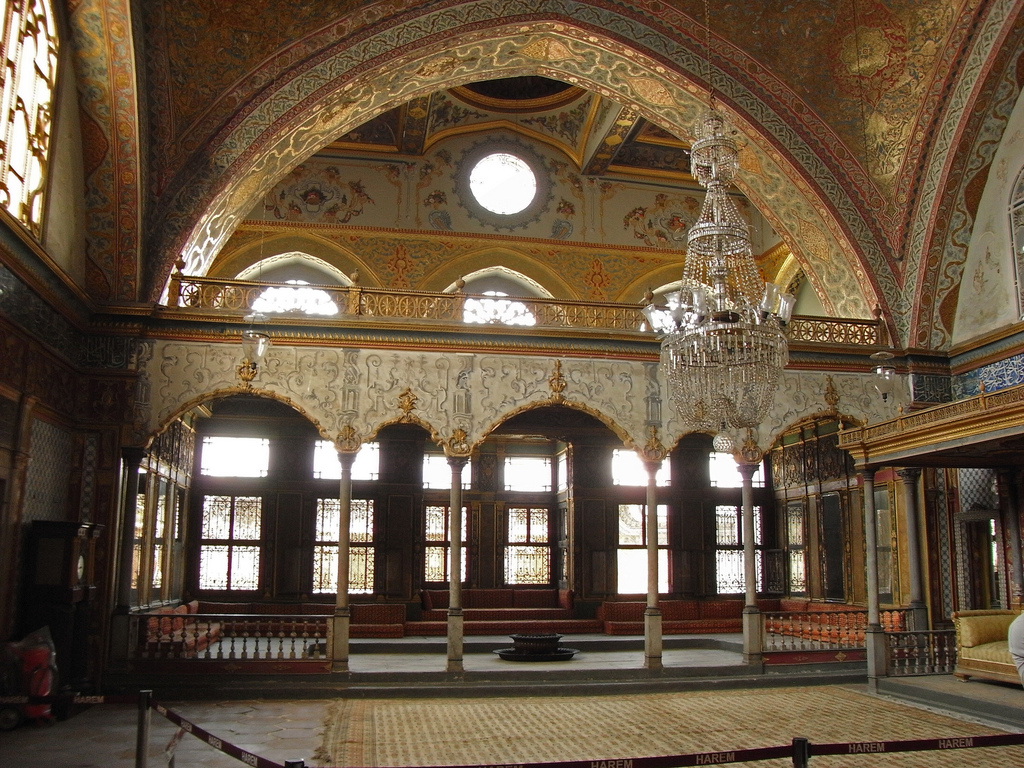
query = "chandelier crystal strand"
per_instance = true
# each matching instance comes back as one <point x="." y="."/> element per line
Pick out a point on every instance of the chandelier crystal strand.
<point x="724" y="348"/>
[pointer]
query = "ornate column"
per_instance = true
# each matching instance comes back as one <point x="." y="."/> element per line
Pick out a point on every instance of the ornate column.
<point x="752" y="629"/>
<point x="652" y="614"/>
<point x="918" y="610"/>
<point x="127" y="493"/>
<point x="455" y="620"/>
<point x="874" y="636"/>
<point x="652" y="454"/>
<point x="348" y="446"/>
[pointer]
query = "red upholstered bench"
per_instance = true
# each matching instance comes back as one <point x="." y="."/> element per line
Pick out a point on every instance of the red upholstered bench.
<point x="509" y="604"/>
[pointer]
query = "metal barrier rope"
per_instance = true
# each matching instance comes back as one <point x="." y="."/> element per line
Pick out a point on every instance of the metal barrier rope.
<point x="146" y="704"/>
<point x="800" y="750"/>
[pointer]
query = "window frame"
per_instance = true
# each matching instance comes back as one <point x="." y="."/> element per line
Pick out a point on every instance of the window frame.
<point x="20" y="21"/>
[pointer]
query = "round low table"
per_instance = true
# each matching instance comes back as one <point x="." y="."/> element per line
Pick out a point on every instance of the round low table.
<point x="540" y="647"/>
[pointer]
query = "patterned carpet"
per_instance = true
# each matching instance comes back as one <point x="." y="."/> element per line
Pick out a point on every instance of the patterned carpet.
<point x="414" y="732"/>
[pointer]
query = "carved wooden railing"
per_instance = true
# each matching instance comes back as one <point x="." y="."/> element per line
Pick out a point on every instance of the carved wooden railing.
<point x="353" y="302"/>
<point x="930" y="652"/>
<point x="803" y="631"/>
<point x="235" y="638"/>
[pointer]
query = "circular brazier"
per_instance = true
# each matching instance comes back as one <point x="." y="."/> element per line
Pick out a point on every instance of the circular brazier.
<point x="536" y="648"/>
<point x="535" y="643"/>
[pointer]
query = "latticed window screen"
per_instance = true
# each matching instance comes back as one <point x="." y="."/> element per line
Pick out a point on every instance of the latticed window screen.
<point x="527" y="551"/>
<point x="140" y="532"/>
<point x="884" y="542"/>
<point x="796" y="524"/>
<point x="437" y="560"/>
<point x="730" y="576"/>
<point x="30" y="71"/>
<point x="632" y="551"/>
<point x="231" y="542"/>
<point x="1017" y="232"/>
<point x="361" y="546"/>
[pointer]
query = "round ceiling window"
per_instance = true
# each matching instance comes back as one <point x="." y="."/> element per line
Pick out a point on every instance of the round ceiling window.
<point x="503" y="183"/>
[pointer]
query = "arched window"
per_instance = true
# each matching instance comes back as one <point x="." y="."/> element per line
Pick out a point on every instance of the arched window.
<point x="301" y="273"/>
<point x="30" y="69"/>
<point x="1017" y="234"/>
<point x="496" y="285"/>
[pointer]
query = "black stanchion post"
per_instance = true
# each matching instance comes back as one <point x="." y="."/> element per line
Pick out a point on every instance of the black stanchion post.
<point x="294" y="764"/>
<point x="801" y="752"/>
<point x="142" y="733"/>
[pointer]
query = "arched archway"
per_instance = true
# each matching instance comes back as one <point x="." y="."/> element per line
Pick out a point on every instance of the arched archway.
<point x="276" y="134"/>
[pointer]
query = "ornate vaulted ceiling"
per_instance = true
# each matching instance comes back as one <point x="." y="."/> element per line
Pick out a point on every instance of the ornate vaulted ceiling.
<point x="869" y="126"/>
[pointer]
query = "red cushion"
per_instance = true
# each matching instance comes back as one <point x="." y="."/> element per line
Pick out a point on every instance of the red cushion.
<point x="487" y="598"/>
<point x="534" y="598"/>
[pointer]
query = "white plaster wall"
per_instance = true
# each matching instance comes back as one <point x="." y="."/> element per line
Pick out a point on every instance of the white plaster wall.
<point x="988" y="292"/>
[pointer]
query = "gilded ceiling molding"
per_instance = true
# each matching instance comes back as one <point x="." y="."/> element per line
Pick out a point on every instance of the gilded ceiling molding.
<point x="973" y="117"/>
<point x="302" y="115"/>
<point x="104" y="54"/>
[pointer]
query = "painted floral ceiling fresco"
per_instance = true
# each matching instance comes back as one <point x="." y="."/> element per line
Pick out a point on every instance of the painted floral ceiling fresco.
<point x="866" y="107"/>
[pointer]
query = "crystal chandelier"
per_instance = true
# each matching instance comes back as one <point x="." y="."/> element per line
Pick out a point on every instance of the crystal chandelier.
<point x="723" y="346"/>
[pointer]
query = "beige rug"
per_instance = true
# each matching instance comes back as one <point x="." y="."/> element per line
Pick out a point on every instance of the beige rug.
<point x="414" y="732"/>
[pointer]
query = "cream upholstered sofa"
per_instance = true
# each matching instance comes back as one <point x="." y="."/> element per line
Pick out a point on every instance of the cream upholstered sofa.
<point x="981" y="645"/>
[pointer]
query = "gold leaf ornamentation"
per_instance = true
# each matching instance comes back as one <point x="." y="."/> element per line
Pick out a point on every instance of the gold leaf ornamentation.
<point x="557" y="382"/>
<point x="407" y="403"/>
<point x="547" y="49"/>
<point x="653" y="91"/>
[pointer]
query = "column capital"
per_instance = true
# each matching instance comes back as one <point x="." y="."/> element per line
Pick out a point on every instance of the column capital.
<point x="348" y="440"/>
<point x="457" y="462"/>
<point x="909" y="474"/>
<point x="747" y="470"/>
<point x="132" y="455"/>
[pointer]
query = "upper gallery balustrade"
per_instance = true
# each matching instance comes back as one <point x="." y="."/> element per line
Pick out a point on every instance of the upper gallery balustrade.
<point x="348" y="304"/>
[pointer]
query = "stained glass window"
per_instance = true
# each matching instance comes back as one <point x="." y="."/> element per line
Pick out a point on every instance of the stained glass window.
<point x="730" y="576"/>
<point x="527" y="551"/>
<point x="30" y="76"/>
<point x="231" y="542"/>
<point x="361" y="546"/>
<point x="437" y="551"/>
<point x="796" y="515"/>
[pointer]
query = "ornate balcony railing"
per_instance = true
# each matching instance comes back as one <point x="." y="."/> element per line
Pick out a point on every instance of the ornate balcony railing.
<point x="940" y="427"/>
<point x="357" y="303"/>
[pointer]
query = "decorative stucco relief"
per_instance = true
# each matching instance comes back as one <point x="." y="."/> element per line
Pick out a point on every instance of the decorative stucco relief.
<point x="347" y="392"/>
<point x="339" y="389"/>
<point x="805" y="393"/>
